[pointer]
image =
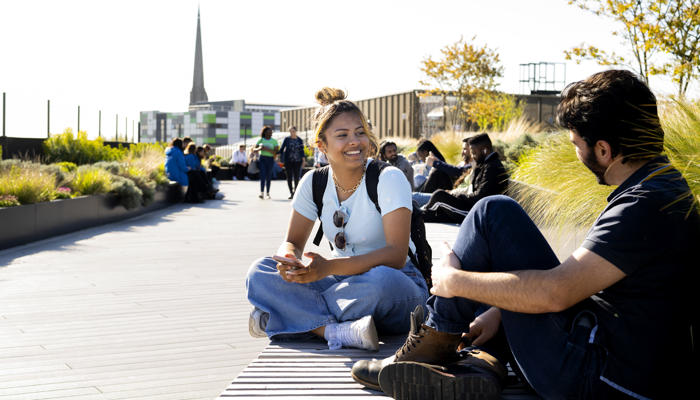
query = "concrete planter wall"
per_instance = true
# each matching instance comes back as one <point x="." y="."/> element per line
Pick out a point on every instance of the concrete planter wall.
<point x="28" y="223"/>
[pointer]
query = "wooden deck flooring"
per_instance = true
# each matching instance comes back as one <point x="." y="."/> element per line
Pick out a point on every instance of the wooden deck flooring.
<point x="152" y="307"/>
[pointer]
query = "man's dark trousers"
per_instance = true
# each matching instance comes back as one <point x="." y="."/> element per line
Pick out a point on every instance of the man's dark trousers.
<point x="557" y="359"/>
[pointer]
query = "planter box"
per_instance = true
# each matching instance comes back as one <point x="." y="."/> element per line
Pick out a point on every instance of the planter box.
<point x="224" y="174"/>
<point x="25" y="224"/>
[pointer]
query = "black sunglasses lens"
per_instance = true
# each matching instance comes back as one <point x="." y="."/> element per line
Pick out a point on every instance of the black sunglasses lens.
<point x="340" y="240"/>
<point x="338" y="219"/>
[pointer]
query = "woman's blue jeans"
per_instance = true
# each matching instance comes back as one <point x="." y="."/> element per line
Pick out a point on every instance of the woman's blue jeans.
<point x="556" y="359"/>
<point x="265" y="163"/>
<point x="388" y="294"/>
<point x="421" y="198"/>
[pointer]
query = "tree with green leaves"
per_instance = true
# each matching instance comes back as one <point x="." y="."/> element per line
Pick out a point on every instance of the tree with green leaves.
<point x="663" y="37"/>
<point x="468" y="72"/>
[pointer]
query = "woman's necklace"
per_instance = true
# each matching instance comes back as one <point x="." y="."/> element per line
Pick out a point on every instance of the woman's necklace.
<point x="351" y="190"/>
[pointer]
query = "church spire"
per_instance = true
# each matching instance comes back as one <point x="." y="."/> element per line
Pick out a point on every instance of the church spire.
<point x="198" y="94"/>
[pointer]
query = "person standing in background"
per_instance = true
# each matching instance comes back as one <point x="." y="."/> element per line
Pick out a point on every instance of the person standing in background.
<point x="268" y="148"/>
<point x="292" y="155"/>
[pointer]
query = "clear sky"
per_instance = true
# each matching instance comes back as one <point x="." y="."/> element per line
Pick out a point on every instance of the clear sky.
<point x="126" y="56"/>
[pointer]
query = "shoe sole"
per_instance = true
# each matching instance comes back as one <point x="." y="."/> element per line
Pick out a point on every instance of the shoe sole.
<point x="370" y="385"/>
<point x="412" y="380"/>
<point x="373" y="336"/>
<point x="251" y="328"/>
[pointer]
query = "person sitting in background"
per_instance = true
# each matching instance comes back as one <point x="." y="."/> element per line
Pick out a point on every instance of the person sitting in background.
<point x="186" y="142"/>
<point x="488" y="178"/>
<point x="192" y="159"/>
<point x="175" y="167"/>
<point x="239" y="162"/>
<point x="388" y="152"/>
<point x="211" y="168"/>
<point x="436" y="179"/>
<point x="253" y="171"/>
<point x="320" y="159"/>
<point x="457" y="172"/>
<point x="198" y="190"/>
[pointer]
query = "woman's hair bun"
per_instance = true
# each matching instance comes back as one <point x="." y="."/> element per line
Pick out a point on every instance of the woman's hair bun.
<point x="328" y="95"/>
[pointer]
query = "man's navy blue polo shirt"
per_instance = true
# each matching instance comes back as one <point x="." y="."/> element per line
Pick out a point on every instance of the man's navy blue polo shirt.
<point x="651" y="231"/>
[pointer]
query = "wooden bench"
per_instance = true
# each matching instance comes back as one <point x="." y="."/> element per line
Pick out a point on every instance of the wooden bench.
<point x="305" y="370"/>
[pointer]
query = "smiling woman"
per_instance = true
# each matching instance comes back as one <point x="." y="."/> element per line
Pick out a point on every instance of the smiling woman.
<point x="369" y="284"/>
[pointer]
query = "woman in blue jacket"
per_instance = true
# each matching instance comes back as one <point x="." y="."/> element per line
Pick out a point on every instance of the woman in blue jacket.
<point x="175" y="167"/>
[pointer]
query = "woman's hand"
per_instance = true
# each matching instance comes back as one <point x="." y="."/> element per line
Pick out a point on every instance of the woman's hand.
<point x="484" y="327"/>
<point x="288" y="262"/>
<point x="442" y="273"/>
<point x="317" y="269"/>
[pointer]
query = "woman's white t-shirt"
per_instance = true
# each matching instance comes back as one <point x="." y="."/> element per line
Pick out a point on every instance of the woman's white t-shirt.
<point x="364" y="231"/>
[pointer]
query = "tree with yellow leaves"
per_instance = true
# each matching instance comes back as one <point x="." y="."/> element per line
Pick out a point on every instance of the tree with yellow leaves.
<point x="468" y="72"/>
<point x="663" y="37"/>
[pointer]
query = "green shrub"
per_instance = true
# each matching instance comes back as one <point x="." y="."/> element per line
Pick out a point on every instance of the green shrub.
<point x="91" y="180"/>
<point x="67" y="166"/>
<point x="510" y="152"/>
<point x="61" y="178"/>
<point x="7" y="165"/>
<point x="79" y="150"/>
<point x="8" y="200"/>
<point x="113" y="167"/>
<point x="27" y="183"/>
<point x="143" y="181"/>
<point x="129" y="195"/>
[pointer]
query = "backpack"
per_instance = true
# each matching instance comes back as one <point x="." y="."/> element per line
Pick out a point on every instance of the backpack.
<point x="422" y="258"/>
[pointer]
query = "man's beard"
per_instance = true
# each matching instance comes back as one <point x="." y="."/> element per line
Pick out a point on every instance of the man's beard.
<point x="598" y="170"/>
<point x="394" y="159"/>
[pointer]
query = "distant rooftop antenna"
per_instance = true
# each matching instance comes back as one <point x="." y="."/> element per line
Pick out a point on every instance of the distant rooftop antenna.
<point x="542" y="77"/>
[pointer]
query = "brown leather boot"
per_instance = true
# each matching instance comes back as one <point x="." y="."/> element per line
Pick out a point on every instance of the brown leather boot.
<point x="423" y="344"/>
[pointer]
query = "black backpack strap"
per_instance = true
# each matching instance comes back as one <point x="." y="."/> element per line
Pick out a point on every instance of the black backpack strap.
<point x="374" y="168"/>
<point x="319" y="180"/>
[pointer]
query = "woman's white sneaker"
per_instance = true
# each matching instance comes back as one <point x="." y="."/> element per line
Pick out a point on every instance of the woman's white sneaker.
<point x="257" y="322"/>
<point x="361" y="334"/>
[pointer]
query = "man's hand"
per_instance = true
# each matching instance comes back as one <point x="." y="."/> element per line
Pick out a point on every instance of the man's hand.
<point x="430" y="159"/>
<point x="484" y="327"/>
<point x="443" y="272"/>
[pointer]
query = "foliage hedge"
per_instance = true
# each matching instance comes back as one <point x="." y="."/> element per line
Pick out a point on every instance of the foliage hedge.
<point x="78" y="166"/>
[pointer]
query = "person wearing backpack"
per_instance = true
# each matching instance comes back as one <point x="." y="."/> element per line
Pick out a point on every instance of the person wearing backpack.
<point x="369" y="285"/>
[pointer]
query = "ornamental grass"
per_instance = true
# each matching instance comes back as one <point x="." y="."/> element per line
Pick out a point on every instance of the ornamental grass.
<point x="27" y="184"/>
<point x="558" y="191"/>
<point x="91" y="180"/>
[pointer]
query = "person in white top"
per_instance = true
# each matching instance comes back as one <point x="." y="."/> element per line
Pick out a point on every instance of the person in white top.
<point x="239" y="160"/>
<point x="369" y="283"/>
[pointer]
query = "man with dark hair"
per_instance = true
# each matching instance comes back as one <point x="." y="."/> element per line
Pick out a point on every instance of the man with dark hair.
<point x="488" y="178"/>
<point x="388" y="152"/>
<point x="615" y="320"/>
